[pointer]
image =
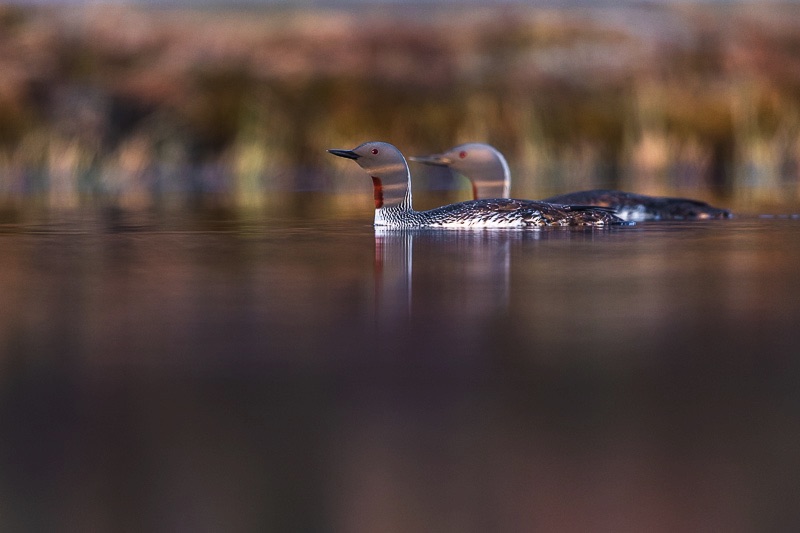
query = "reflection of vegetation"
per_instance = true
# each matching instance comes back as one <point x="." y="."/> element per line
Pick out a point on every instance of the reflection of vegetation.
<point x="138" y="104"/>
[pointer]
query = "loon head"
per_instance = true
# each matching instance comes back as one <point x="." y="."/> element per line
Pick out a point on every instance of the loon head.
<point x="388" y="169"/>
<point x="480" y="163"/>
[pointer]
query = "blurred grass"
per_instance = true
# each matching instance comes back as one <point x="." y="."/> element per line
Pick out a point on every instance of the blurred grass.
<point x="144" y="106"/>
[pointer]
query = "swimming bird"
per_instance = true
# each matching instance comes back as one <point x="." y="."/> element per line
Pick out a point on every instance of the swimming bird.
<point x="488" y="171"/>
<point x="391" y="182"/>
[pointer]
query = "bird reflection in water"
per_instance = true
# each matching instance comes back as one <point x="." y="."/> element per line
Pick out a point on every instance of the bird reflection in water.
<point x="464" y="274"/>
<point x="394" y="254"/>
<point x="461" y="271"/>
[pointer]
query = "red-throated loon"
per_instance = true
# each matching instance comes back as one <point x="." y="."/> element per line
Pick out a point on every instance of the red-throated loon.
<point x="488" y="171"/>
<point x="391" y="181"/>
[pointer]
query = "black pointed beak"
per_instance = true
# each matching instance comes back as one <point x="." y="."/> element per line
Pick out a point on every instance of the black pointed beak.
<point x="347" y="154"/>
<point x="435" y="159"/>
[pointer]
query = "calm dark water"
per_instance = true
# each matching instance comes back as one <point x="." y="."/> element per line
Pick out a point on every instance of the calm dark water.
<point x="215" y="374"/>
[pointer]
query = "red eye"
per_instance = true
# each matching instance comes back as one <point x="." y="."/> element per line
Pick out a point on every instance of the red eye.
<point x="462" y="154"/>
<point x="374" y="151"/>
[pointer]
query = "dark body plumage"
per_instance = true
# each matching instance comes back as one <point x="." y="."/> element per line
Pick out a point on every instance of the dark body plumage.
<point x="632" y="206"/>
<point x="500" y="213"/>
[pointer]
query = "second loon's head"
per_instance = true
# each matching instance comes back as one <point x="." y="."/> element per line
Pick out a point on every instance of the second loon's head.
<point x="388" y="169"/>
<point x="482" y="164"/>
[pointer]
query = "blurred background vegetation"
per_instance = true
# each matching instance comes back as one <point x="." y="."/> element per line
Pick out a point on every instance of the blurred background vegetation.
<point x="138" y="107"/>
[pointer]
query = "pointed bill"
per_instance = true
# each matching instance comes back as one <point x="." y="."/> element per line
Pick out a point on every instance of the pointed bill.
<point x="347" y="154"/>
<point x="435" y="159"/>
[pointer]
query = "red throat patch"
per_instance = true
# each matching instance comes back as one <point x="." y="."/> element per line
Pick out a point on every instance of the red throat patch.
<point x="377" y="187"/>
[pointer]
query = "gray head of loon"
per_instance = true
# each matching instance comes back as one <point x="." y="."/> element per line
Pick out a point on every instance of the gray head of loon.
<point x="480" y="163"/>
<point x="388" y="169"/>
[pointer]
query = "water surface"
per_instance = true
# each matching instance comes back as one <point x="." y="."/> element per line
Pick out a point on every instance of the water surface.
<point x="262" y="374"/>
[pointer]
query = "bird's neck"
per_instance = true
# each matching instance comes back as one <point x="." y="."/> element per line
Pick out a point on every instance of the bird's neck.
<point x="493" y="182"/>
<point x="392" y="188"/>
<point x="483" y="190"/>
